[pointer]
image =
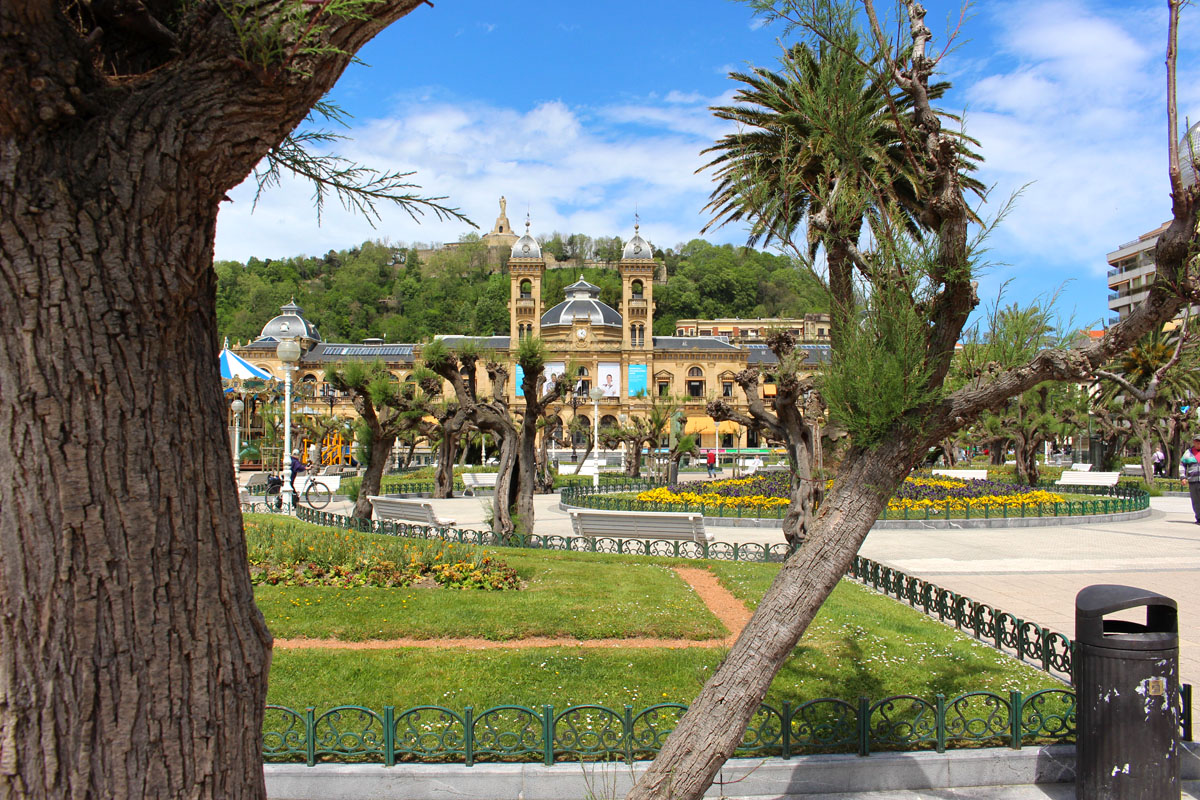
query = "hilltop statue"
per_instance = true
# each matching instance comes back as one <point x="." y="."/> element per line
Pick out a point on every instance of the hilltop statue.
<point x="503" y="206"/>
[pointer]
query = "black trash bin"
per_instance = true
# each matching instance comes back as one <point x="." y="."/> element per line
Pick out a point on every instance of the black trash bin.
<point x="1127" y="689"/>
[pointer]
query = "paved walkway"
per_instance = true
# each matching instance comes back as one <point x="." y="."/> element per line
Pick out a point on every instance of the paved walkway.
<point x="1033" y="573"/>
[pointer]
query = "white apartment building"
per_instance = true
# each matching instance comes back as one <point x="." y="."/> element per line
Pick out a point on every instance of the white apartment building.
<point x="1131" y="266"/>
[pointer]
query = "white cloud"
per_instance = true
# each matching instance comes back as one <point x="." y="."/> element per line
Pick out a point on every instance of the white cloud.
<point x="573" y="170"/>
<point x="1076" y="117"/>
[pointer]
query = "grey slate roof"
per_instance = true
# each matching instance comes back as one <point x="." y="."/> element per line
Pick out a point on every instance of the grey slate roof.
<point x="481" y="342"/>
<point x="816" y="354"/>
<point x="693" y="343"/>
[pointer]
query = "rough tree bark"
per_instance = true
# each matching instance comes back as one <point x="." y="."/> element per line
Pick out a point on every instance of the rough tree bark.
<point x="133" y="660"/>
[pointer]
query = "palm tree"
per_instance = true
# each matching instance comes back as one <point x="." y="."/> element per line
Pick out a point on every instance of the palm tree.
<point x="821" y="141"/>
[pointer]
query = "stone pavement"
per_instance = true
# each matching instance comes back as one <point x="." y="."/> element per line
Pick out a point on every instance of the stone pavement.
<point x="1033" y="573"/>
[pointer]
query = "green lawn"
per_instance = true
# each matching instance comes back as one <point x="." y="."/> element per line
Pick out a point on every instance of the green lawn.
<point x="862" y="643"/>
<point x="563" y="594"/>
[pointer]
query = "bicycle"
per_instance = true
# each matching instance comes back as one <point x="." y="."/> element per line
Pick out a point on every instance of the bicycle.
<point x="317" y="494"/>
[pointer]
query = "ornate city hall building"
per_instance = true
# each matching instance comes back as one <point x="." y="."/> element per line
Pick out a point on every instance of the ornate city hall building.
<point x="614" y="349"/>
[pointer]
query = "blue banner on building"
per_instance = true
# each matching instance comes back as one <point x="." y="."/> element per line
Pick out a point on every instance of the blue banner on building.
<point x="637" y="380"/>
<point x="520" y="379"/>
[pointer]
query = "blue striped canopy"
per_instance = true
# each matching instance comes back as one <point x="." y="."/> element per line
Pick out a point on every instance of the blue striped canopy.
<point x="233" y="366"/>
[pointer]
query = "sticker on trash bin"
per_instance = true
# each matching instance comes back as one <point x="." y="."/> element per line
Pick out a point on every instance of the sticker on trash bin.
<point x="1156" y="687"/>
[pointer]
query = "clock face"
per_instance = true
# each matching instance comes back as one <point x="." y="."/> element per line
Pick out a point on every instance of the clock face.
<point x="581" y="333"/>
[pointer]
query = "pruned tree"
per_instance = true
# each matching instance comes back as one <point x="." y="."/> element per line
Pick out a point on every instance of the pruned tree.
<point x="886" y="380"/>
<point x="1030" y="419"/>
<point x="123" y="126"/>
<point x="386" y="409"/>
<point x="516" y="434"/>
<point x="794" y="416"/>
<point x="1145" y="388"/>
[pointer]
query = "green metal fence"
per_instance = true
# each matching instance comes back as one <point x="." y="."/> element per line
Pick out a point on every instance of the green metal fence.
<point x="597" y="733"/>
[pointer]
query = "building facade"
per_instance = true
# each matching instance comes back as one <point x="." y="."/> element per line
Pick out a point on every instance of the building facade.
<point x="614" y="350"/>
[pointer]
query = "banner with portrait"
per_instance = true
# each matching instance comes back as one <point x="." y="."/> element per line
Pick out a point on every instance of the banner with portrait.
<point x="551" y="373"/>
<point x="608" y="378"/>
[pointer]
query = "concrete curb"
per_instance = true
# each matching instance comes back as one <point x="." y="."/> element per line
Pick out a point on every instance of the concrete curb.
<point x="742" y="777"/>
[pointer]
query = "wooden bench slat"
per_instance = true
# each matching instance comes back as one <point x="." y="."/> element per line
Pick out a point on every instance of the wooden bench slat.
<point x="639" y="525"/>
<point x="1073" y="478"/>
<point x="391" y="508"/>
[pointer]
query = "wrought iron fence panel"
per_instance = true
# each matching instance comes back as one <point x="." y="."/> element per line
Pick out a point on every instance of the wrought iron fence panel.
<point x="590" y="732"/>
<point x="824" y="724"/>
<point x="977" y="717"/>
<point x="652" y="726"/>
<point x="1048" y="714"/>
<point x="764" y="734"/>
<point x="508" y="732"/>
<point x="721" y="551"/>
<point x="285" y="735"/>
<point x="349" y="733"/>
<point x="902" y="722"/>
<point x="430" y="732"/>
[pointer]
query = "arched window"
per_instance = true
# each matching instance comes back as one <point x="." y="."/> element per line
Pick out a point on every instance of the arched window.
<point x="695" y="372"/>
<point x="526" y="289"/>
<point x="579" y="438"/>
<point x="635" y="289"/>
<point x="608" y="421"/>
<point x="695" y="383"/>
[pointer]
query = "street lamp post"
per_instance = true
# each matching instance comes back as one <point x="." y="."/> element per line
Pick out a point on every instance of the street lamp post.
<point x="288" y="352"/>
<point x="237" y="407"/>
<point x="596" y="394"/>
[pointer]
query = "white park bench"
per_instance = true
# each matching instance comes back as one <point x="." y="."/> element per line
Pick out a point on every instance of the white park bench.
<point x="639" y="525"/>
<point x="1081" y="467"/>
<point x="393" y="508"/>
<point x="478" y="480"/>
<point x="964" y="474"/>
<point x="1072" y="477"/>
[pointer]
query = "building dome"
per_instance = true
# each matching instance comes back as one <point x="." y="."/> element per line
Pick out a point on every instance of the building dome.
<point x="583" y="301"/>
<point x="637" y="248"/>
<point x="290" y="324"/>
<point x="526" y="246"/>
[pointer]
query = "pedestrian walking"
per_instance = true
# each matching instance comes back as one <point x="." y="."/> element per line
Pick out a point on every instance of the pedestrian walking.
<point x="1160" y="461"/>
<point x="711" y="461"/>
<point x="1189" y="467"/>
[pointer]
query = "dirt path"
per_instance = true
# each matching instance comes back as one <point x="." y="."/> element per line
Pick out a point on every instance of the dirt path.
<point x="728" y="609"/>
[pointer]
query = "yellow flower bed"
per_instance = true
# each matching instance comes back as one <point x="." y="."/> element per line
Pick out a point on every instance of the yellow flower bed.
<point x="664" y="496"/>
<point x="1000" y="501"/>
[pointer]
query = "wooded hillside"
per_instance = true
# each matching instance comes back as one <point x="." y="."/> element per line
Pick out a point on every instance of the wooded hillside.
<point x="388" y="291"/>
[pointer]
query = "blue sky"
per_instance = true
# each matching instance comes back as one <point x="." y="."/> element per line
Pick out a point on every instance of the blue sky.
<point x="580" y="113"/>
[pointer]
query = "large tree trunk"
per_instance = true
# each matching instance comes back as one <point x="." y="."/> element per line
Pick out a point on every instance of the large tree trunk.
<point x="133" y="661"/>
<point x="1025" y="454"/>
<point x="702" y="741"/>
<point x="443" y="473"/>
<point x="381" y="451"/>
<point x="502" y="520"/>
<point x="526" y="473"/>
